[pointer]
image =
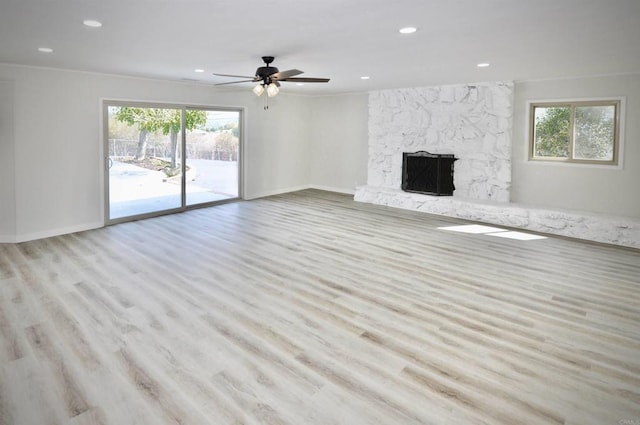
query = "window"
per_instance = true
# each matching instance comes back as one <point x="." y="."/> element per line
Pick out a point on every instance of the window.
<point x="578" y="132"/>
<point x="167" y="158"/>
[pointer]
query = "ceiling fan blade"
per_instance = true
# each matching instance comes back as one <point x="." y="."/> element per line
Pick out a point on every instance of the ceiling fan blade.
<point x="306" y="80"/>
<point x="230" y="75"/>
<point x="234" y="82"/>
<point x="285" y="74"/>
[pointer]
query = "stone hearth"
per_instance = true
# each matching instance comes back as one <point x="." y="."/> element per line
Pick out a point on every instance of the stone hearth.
<point x="474" y="123"/>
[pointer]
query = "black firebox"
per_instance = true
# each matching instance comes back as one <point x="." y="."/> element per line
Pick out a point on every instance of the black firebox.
<point x="424" y="172"/>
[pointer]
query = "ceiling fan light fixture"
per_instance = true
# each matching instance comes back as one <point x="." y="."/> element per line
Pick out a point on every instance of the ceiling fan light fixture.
<point x="258" y="90"/>
<point x="272" y="90"/>
<point x="269" y="78"/>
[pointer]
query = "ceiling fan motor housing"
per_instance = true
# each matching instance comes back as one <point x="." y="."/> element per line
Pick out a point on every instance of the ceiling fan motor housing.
<point x="265" y="71"/>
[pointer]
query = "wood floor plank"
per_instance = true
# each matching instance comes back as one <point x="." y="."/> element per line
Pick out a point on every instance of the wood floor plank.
<point x="310" y="308"/>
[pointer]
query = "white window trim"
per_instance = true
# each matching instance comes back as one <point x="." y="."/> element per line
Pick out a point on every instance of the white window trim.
<point x="622" y="112"/>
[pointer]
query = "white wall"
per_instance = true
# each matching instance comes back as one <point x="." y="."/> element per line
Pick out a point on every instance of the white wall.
<point x="339" y="136"/>
<point x="58" y="175"/>
<point x="51" y="177"/>
<point x="7" y="185"/>
<point x="582" y="188"/>
<point x="277" y="144"/>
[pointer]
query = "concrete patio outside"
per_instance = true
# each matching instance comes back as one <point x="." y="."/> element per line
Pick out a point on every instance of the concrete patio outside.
<point x="135" y="190"/>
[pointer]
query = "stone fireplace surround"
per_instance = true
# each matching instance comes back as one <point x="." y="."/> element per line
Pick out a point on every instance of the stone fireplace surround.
<point x="473" y="122"/>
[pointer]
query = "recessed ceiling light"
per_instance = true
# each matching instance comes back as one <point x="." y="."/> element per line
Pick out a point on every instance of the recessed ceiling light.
<point x="45" y="49"/>
<point x="198" y="70"/>
<point x="299" y="84"/>
<point x="92" y="23"/>
<point x="365" y="77"/>
<point x="483" y="65"/>
<point x="408" y="30"/>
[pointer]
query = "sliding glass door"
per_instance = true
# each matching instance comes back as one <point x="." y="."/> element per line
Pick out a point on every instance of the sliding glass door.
<point x="165" y="158"/>
<point x="212" y="155"/>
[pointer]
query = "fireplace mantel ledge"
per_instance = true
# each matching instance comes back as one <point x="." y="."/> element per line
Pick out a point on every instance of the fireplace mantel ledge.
<point x="624" y="231"/>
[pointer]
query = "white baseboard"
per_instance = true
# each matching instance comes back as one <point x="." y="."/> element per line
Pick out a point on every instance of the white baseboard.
<point x="297" y="188"/>
<point x="89" y="226"/>
<point x="276" y="192"/>
<point x="333" y="189"/>
<point x="56" y="232"/>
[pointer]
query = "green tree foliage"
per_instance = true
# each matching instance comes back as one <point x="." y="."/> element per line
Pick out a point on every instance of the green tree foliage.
<point x="552" y="131"/>
<point x="592" y="137"/>
<point x="594" y="132"/>
<point x="166" y="121"/>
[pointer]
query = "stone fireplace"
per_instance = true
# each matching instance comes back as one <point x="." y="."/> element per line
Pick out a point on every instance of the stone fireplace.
<point x="474" y="123"/>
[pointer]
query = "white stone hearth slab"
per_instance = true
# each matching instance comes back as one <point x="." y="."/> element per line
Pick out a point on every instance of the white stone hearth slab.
<point x="624" y="231"/>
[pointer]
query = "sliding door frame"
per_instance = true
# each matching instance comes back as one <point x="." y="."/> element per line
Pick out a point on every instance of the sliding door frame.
<point x="183" y="107"/>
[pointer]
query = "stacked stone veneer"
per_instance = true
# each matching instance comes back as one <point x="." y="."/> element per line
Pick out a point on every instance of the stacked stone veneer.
<point x="473" y="122"/>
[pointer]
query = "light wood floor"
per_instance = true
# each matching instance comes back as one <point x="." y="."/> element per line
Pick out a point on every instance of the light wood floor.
<point x="308" y="308"/>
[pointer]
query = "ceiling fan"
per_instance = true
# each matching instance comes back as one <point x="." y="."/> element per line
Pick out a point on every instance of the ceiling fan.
<point x="269" y="77"/>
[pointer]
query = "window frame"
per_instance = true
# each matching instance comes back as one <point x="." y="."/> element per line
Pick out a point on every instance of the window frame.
<point x="183" y="107"/>
<point x="617" y="102"/>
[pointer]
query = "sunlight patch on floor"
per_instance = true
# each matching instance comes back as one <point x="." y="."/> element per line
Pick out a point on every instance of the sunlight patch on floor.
<point x="518" y="235"/>
<point x="473" y="228"/>
<point x="478" y="229"/>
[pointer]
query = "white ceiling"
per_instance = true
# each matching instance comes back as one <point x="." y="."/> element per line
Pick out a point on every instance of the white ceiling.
<point x="339" y="39"/>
